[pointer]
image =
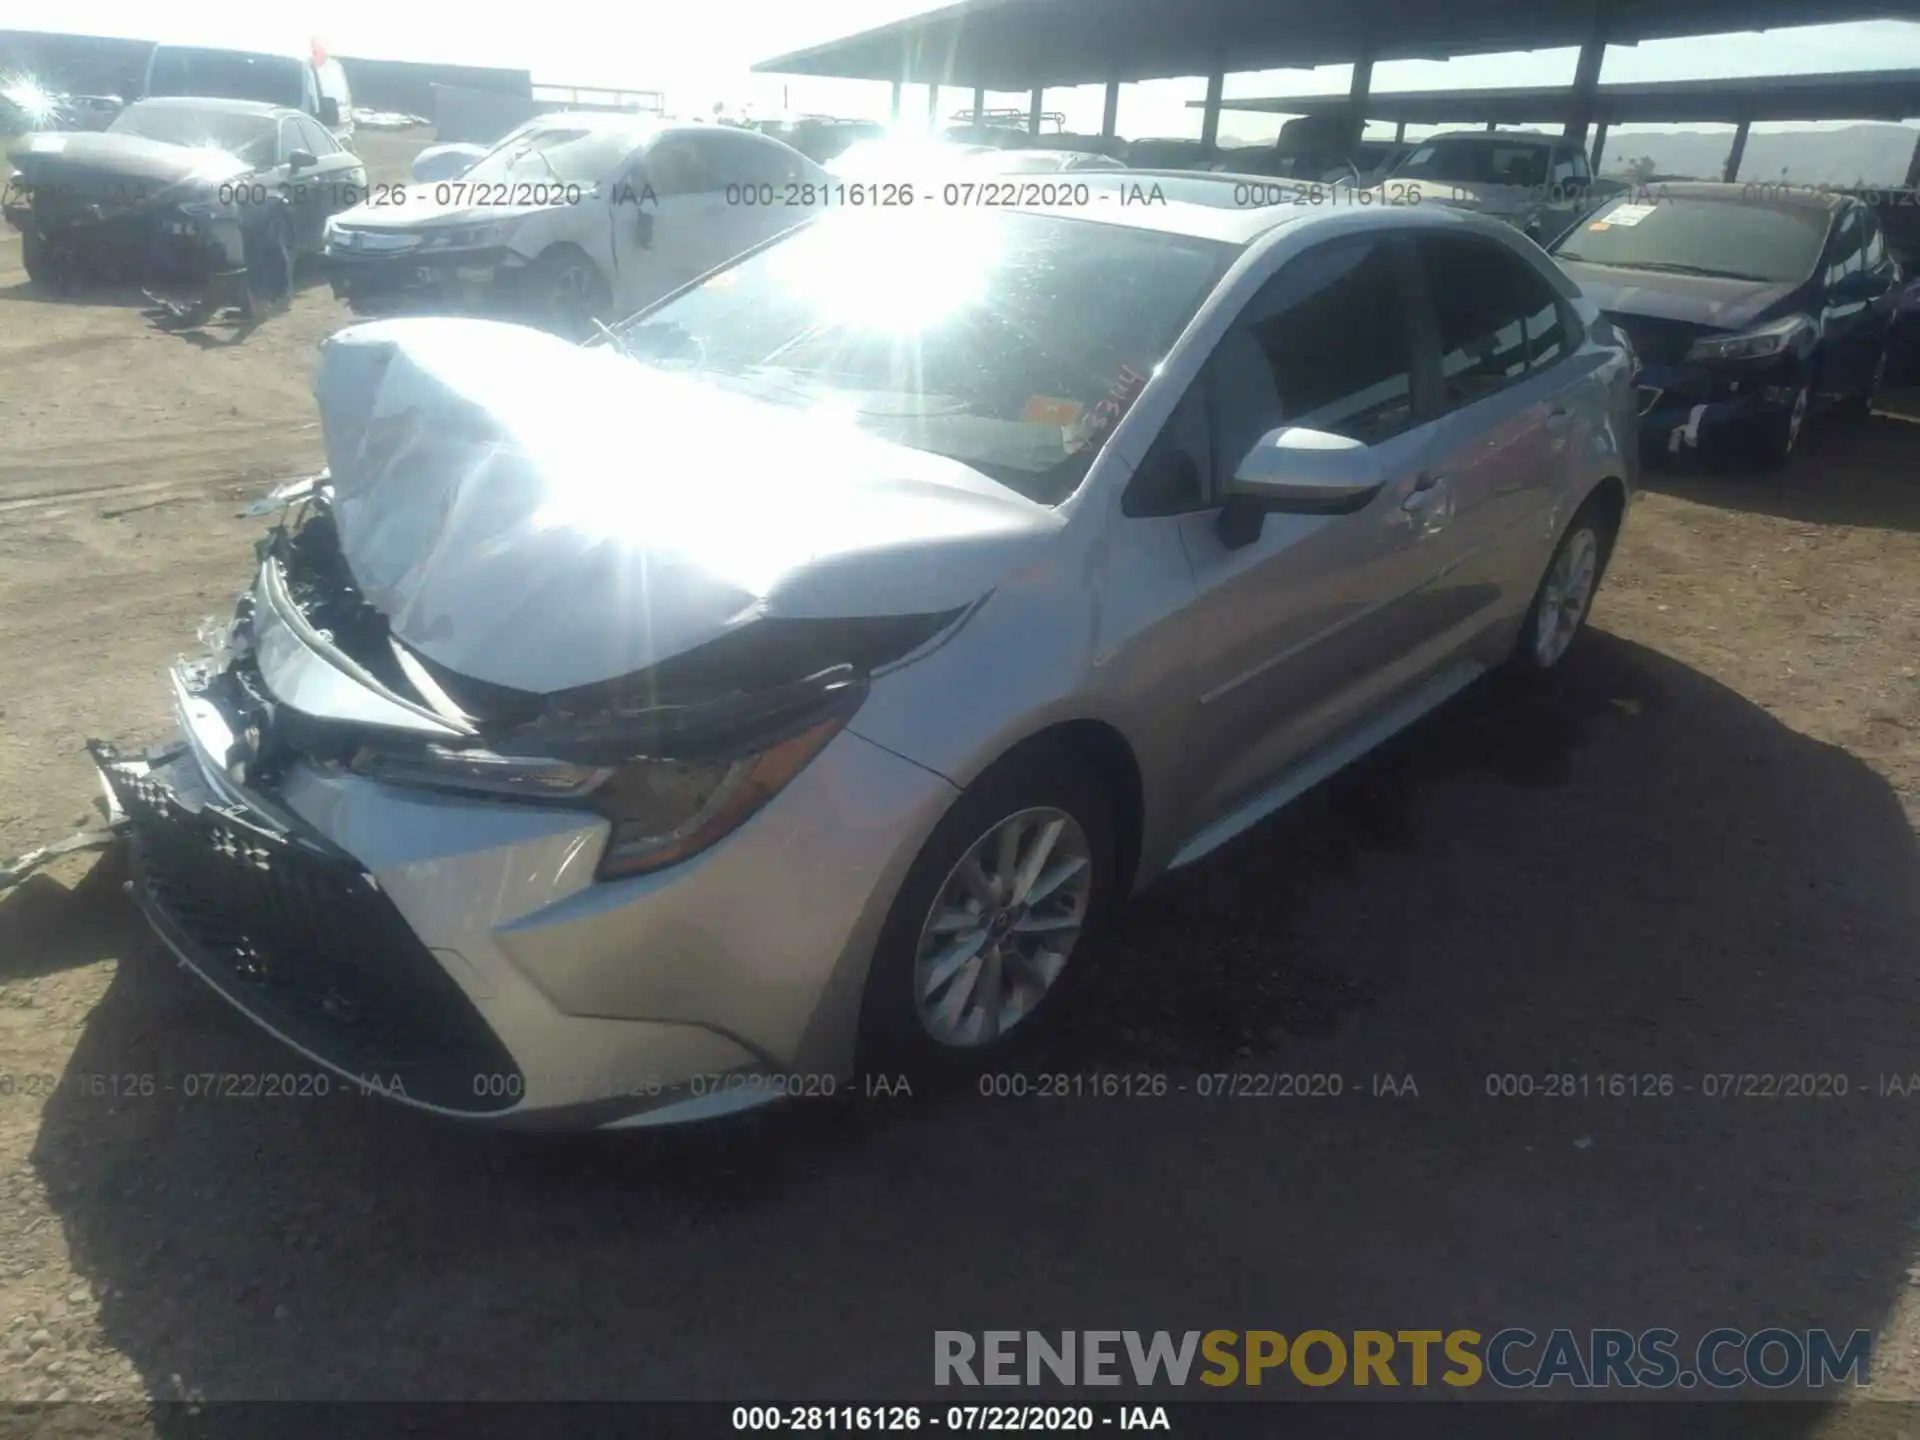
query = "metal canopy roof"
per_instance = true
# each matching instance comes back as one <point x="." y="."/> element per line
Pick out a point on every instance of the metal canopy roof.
<point x="1859" y="95"/>
<point x="1020" y="44"/>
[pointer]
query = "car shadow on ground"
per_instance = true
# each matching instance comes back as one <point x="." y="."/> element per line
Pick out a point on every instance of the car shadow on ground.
<point x="1862" y="473"/>
<point x="1629" y="872"/>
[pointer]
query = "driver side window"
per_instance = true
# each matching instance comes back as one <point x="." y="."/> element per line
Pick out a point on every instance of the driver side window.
<point x="1326" y="344"/>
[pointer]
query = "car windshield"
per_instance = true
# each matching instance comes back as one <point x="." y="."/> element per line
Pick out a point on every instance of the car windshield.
<point x="1476" y="162"/>
<point x="1736" y="237"/>
<point x="571" y="155"/>
<point x="227" y="75"/>
<point x="249" y="137"/>
<point x="1008" y="340"/>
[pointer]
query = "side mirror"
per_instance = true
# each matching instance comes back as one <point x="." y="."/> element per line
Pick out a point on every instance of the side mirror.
<point x="329" y="110"/>
<point x="301" y="160"/>
<point x="1861" y="285"/>
<point x="1296" y="471"/>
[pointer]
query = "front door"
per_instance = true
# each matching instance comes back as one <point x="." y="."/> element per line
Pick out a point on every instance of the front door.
<point x="1295" y="635"/>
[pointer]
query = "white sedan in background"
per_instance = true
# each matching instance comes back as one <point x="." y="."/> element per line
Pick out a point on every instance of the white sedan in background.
<point x="571" y="219"/>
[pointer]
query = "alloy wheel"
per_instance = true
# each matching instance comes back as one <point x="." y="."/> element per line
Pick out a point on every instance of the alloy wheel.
<point x="1002" y="928"/>
<point x="1568" y="592"/>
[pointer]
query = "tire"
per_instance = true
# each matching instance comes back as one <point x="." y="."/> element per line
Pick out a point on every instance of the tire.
<point x="1777" y="436"/>
<point x="268" y="284"/>
<point x="1858" y="407"/>
<point x="36" y="257"/>
<point x="1590" y="534"/>
<point x="902" y="1032"/>
<point x="566" y="293"/>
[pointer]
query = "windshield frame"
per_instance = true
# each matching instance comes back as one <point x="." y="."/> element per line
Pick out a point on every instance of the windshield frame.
<point x="1228" y="254"/>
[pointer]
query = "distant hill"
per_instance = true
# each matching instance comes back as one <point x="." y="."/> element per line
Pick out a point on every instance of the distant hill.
<point x="1870" y="153"/>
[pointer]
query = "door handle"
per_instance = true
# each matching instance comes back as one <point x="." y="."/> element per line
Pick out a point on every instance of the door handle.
<point x="1424" y="490"/>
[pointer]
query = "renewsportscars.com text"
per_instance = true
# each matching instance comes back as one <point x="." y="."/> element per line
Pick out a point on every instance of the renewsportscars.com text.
<point x="1772" y="1358"/>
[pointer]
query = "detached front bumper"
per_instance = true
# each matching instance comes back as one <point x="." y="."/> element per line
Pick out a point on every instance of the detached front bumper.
<point x="478" y="282"/>
<point x="459" y="956"/>
<point x="156" y="244"/>
<point x="1694" y="410"/>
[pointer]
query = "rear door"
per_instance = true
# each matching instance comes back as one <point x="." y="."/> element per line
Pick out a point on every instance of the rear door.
<point x="1301" y="633"/>
<point x="1505" y="428"/>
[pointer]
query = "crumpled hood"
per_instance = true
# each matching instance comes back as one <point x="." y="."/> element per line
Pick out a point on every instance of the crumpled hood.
<point x="138" y="165"/>
<point x="1708" y="300"/>
<point x="541" y="515"/>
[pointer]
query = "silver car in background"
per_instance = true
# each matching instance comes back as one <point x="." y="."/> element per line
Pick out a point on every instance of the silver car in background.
<point x="785" y="685"/>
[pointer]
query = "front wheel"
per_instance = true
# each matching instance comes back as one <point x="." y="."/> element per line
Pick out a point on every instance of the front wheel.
<point x="1776" y="437"/>
<point x="566" y="292"/>
<point x="992" y="921"/>
<point x="1859" y="406"/>
<point x="1565" y="597"/>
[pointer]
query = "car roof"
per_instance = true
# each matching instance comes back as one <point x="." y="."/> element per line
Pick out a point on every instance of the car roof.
<point x="211" y="102"/>
<point x="1488" y="137"/>
<point x="1782" y="196"/>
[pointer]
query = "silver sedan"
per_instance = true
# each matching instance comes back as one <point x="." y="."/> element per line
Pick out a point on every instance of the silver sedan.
<point x="786" y="685"/>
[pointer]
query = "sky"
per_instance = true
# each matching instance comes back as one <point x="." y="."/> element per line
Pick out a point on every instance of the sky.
<point x="700" y="54"/>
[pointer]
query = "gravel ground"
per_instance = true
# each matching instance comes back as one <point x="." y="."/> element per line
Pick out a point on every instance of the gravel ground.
<point x="1694" y="854"/>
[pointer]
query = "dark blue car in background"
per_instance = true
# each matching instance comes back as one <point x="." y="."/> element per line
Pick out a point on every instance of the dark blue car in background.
<point x="1752" y="307"/>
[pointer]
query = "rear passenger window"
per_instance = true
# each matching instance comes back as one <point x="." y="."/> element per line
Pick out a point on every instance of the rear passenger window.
<point x="1498" y="319"/>
<point x="1325" y="345"/>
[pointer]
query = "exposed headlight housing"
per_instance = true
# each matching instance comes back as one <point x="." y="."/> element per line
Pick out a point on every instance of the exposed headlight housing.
<point x="1763" y="343"/>
<point x="661" y="809"/>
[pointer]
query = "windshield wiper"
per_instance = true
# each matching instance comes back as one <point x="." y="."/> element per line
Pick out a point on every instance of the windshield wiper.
<point x="1666" y="267"/>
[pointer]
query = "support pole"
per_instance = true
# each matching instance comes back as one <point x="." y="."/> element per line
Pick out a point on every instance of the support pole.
<point x="933" y="105"/>
<point x="896" y="102"/>
<point x="1110" y="117"/>
<point x="1210" y="116"/>
<point x="1599" y="146"/>
<point x="979" y="104"/>
<point x="1738" y="152"/>
<point x="1034" y="110"/>
<point x="1358" y="90"/>
<point x="1399" y="132"/>
<point x="1913" y="167"/>
<point x="1586" y="77"/>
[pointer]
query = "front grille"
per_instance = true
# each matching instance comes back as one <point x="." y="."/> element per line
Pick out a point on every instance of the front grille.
<point x="1658" y="342"/>
<point x="308" y="944"/>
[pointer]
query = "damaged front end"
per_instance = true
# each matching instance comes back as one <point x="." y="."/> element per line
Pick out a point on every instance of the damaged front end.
<point x="308" y="681"/>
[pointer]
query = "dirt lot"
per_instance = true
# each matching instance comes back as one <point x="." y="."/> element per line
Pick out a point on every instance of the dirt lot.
<point x="1694" y="855"/>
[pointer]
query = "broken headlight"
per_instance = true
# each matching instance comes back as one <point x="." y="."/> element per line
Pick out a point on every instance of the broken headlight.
<point x="661" y="811"/>
<point x="666" y="811"/>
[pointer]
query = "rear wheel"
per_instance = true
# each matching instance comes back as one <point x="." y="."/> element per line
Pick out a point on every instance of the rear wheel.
<point x="1565" y="597"/>
<point x="992" y="921"/>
